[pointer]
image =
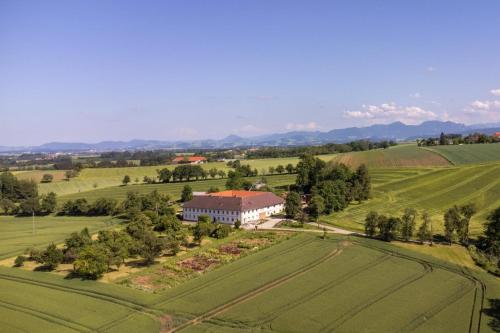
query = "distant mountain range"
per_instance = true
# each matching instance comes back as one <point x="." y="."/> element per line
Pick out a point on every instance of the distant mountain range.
<point x="395" y="131"/>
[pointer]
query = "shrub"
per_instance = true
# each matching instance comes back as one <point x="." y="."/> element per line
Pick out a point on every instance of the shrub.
<point x="221" y="231"/>
<point x="20" y="261"/>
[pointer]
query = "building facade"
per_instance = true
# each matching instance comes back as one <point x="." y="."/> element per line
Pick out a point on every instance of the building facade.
<point x="231" y="206"/>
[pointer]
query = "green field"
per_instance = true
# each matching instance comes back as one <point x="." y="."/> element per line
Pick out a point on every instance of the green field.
<point x="302" y="284"/>
<point x="173" y="189"/>
<point x="431" y="189"/>
<point x="16" y="233"/>
<point x="97" y="178"/>
<point x="43" y="302"/>
<point x="311" y="285"/>
<point x="469" y="154"/>
<point x="404" y="155"/>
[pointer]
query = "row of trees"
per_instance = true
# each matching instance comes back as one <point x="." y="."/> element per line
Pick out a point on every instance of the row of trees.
<point x="485" y="250"/>
<point x="331" y="148"/>
<point x="387" y="228"/>
<point x="457" y="139"/>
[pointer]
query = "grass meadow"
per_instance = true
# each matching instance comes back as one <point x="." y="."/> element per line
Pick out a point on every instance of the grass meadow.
<point x="173" y="189"/>
<point x="16" y="233"/>
<point x="404" y="155"/>
<point x="470" y="154"/>
<point x="98" y="178"/>
<point x="431" y="189"/>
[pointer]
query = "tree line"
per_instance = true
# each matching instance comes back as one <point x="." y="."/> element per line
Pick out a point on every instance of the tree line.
<point x="328" y="187"/>
<point x="458" y="139"/>
<point x="331" y="148"/>
<point x="485" y="250"/>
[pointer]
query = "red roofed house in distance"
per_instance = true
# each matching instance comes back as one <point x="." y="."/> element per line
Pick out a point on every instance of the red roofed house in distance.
<point x="230" y="206"/>
<point x="189" y="160"/>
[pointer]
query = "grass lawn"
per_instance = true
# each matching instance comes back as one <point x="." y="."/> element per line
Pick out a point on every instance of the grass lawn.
<point x="469" y="154"/>
<point x="455" y="254"/>
<point x="16" y="233"/>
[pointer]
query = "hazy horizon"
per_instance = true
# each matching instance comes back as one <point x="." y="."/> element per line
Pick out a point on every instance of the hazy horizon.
<point x="100" y="71"/>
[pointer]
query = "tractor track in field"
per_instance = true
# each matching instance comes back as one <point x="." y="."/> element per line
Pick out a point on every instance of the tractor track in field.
<point x="88" y="293"/>
<point x="238" y="270"/>
<point x="380" y="296"/>
<point x="476" y="308"/>
<point x="420" y="319"/>
<point x="254" y="293"/>
<point x="326" y="287"/>
<point x="47" y="317"/>
<point x="135" y="308"/>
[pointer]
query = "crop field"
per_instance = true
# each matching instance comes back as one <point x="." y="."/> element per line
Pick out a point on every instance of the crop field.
<point x="301" y="284"/>
<point x="36" y="175"/>
<point x="96" y="178"/>
<point x="469" y="154"/>
<point x="173" y="189"/>
<point x="42" y="302"/>
<point x="431" y="189"/>
<point x="405" y="155"/>
<point x="16" y="233"/>
<point x="308" y="284"/>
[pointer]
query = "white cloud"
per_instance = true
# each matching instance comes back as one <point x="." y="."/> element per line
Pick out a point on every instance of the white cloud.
<point x="485" y="105"/>
<point x="310" y="126"/>
<point x="495" y="92"/>
<point x="487" y="110"/>
<point x="389" y="112"/>
<point x="431" y="69"/>
<point x="416" y="95"/>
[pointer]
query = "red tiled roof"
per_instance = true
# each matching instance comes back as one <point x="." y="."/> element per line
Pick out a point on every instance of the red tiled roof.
<point x="189" y="158"/>
<point x="236" y="193"/>
<point x="235" y="200"/>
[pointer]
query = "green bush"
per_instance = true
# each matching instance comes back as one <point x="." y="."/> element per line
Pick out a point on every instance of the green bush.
<point x="20" y="261"/>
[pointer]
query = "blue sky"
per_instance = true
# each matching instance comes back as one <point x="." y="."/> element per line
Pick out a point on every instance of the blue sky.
<point x="118" y="70"/>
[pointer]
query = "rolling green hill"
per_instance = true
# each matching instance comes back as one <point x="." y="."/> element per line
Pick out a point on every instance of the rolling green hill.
<point x="469" y="154"/>
<point x="434" y="190"/>
<point x="405" y="155"/>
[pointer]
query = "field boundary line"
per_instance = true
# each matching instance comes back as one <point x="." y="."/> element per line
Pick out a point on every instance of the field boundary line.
<point x="324" y="288"/>
<point x="111" y="299"/>
<point x="377" y="298"/>
<point x="46" y="317"/>
<point x="462" y="271"/>
<point x="266" y="258"/>
<point x="256" y="292"/>
<point x="438" y="153"/>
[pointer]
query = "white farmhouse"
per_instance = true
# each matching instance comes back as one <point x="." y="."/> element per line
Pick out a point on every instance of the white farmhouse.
<point x="230" y="206"/>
